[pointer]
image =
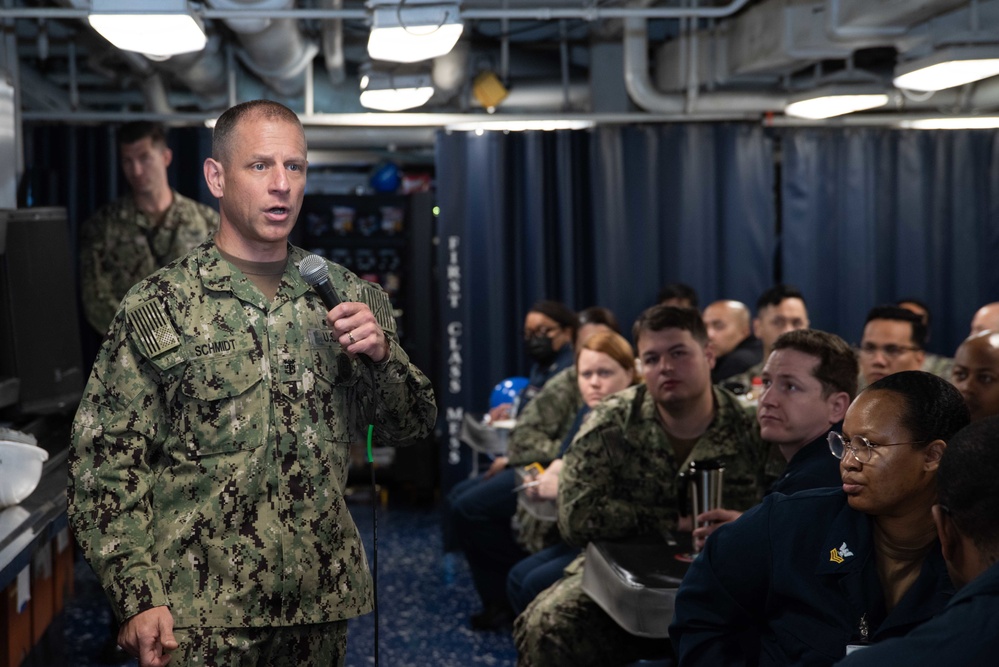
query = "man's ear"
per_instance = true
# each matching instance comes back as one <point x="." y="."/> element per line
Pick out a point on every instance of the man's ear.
<point x="932" y="455"/>
<point x="756" y="326"/>
<point x="167" y="156"/>
<point x="950" y="544"/>
<point x="709" y="354"/>
<point x="837" y="402"/>
<point x="215" y="177"/>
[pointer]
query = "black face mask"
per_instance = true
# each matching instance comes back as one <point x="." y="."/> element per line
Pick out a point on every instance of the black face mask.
<point x="540" y="349"/>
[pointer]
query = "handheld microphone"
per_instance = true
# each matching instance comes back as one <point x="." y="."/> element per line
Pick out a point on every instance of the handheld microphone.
<point x="316" y="273"/>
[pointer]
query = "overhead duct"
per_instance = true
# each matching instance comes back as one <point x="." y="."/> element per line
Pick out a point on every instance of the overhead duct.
<point x="642" y="92"/>
<point x="273" y="49"/>
<point x="853" y="20"/>
<point x="203" y="72"/>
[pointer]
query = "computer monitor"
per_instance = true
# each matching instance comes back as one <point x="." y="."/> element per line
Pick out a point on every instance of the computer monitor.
<point x="41" y="367"/>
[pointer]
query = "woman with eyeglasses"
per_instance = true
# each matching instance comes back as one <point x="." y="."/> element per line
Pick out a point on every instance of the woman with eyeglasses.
<point x="808" y="578"/>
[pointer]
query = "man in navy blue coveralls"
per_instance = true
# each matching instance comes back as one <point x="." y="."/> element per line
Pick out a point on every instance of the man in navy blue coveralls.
<point x="809" y="380"/>
<point x="805" y="579"/>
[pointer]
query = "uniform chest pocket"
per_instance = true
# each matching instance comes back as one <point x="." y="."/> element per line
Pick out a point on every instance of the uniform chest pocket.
<point x="223" y="407"/>
<point x="336" y="384"/>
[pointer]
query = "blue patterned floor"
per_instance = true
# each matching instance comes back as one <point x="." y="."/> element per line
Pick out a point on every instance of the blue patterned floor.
<point x="425" y="601"/>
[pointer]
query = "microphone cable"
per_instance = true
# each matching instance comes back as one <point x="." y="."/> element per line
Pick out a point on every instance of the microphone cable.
<point x="315" y="273"/>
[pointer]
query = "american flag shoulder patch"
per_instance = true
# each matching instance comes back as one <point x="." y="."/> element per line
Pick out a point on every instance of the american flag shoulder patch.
<point x="378" y="302"/>
<point x="153" y="328"/>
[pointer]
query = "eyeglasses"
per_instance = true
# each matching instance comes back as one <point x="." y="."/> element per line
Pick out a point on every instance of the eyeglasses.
<point x="861" y="448"/>
<point x="540" y="331"/>
<point x="890" y="350"/>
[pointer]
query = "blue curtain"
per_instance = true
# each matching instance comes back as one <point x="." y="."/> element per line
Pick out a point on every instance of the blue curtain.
<point x="588" y="218"/>
<point x="690" y="203"/>
<point x="873" y="215"/>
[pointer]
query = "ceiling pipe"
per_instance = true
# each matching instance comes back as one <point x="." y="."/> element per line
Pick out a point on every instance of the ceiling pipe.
<point x="332" y="31"/>
<point x="642" y="92"/>
<point x="203" y="72"/>
<point x="273" y="48"/>
<point x="150" y="82"/>
<point x="235" y="10"/>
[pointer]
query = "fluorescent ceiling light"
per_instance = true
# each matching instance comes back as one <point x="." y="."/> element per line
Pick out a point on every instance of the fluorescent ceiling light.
<point x="835" y="100"/>
<point x="413" y="30"/>
<point x="948" y="67"/>
<point x="158" y="30"/>
<point x="385" y="91"/>
<point x="968" y="123"/>
<point x="520" y="125"/>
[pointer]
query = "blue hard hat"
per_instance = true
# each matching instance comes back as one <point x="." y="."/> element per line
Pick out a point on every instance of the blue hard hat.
<point x="507" y="390"/>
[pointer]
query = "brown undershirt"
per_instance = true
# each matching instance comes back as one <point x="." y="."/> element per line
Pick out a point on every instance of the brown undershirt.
<point x="682" y="447"/>
<point x="265" y="275"/>
<point x="899" y="563"/>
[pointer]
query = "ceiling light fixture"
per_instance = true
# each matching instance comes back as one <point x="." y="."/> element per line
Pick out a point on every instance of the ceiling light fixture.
<point x="388" y="91"/>
<point x="157" y="30"/>
<point x="948" y="67"/>
<point x="408" y="31"/>
<point x="953" y="123"/>
<point x="541" y="124"/>
<point x="835" y="100"/>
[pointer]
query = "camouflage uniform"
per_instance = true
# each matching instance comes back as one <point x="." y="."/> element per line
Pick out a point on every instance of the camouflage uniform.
<point x="210" y="452"/>
<point x="545" y="420"/>
<point x="619" y="481"/>
<point x="538" y="436"/>
<point x="942" y="367"/>
<point x="119" y="246"/>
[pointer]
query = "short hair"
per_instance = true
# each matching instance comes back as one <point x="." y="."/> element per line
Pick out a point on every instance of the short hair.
<point x="921" y="304"/>
<point x="934" y="408"/>
<point x="558" y="311"/>
<point x="227" y="123"/>
<point x="678" y="291"/>
<point x="598" y="315"/>
<point x="615" y="346"/>
<point x="838" y="367"/>
<point x="138" y="130"/>
<point x="659" y="317"/>
<point x="966" y="482"/>
<point x="918" y="337"/>
<point x="777" y="295"/>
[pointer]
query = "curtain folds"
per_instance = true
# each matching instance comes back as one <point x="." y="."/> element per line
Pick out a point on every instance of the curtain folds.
<point x="873" y="215"/>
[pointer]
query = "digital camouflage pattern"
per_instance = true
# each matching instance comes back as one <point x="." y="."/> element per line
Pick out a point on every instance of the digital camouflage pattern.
<point x="620" y="480"/>
<point x="942" y="367"/>
<point x="119" y="246"/>
<point x="545" y="420"/>
<point x="538" y="436"/>
<point x="620" y="476"/>
<point x="209" y="454"/>
<point x="315" y="645"/>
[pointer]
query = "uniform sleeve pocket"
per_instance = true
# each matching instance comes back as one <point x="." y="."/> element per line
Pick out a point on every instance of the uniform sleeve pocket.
<point x="222" y="406"/>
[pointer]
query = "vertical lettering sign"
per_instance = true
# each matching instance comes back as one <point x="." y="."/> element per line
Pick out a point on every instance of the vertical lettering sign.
<point x="454" y="314"/>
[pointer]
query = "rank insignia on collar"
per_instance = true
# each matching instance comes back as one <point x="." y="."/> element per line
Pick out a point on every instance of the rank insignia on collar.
<point x="840" y="554"/>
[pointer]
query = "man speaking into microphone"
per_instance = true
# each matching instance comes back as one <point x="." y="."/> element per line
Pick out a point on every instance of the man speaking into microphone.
<point x="210" y="451"/>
